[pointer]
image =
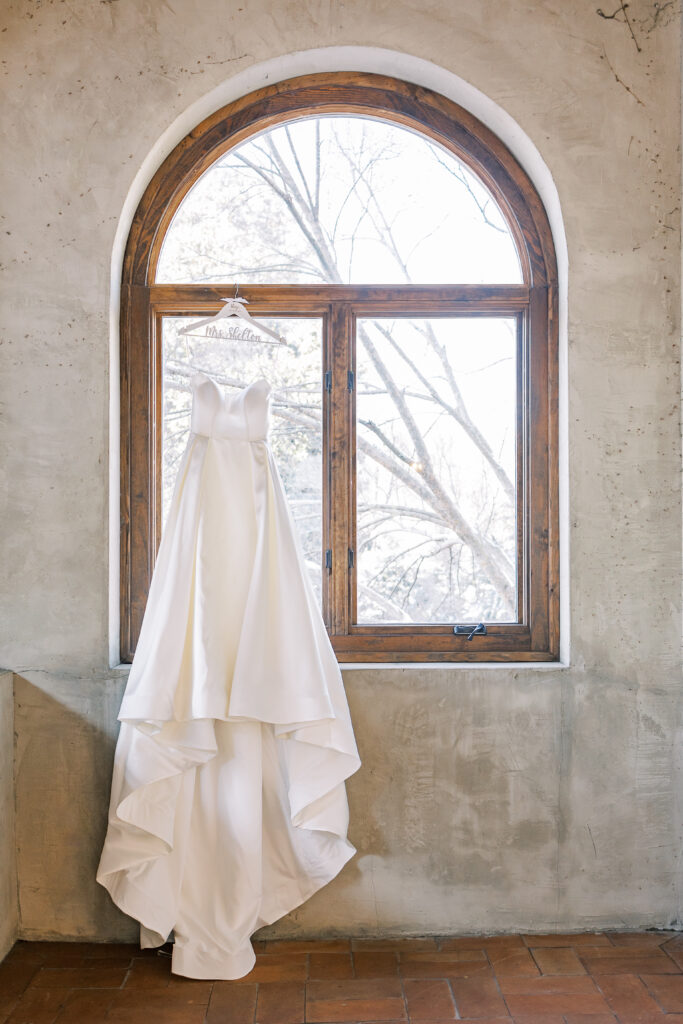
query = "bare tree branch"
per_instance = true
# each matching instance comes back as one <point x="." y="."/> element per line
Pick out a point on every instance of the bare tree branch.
<point x="404" y="510"/>
<point x="456" y="171"/>
<point x="385" y="232"/>
<point x="443" y="502"/>
<point x="299" y="168"/>
<point x="459" y="413"/>
<point x="287" y="180"/>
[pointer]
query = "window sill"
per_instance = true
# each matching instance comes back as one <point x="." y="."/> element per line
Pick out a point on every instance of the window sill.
<point x="125" y="666"/>
<point x="441" y="665"/>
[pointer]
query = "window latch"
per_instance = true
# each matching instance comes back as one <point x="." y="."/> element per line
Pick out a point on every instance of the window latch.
<point x="479" y="630"/>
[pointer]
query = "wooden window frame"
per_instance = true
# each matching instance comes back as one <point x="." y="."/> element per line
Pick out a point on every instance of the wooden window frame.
<point x="533" y="304"/>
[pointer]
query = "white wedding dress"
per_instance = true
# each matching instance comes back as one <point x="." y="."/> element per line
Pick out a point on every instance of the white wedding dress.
<point x="228" y="805"/>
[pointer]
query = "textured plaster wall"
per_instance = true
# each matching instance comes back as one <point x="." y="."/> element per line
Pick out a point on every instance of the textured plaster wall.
<point x="489" y="799"/>
<point x="8" y="860"/>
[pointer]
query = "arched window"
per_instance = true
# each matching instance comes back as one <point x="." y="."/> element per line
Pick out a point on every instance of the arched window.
<point x="407" y="258"/>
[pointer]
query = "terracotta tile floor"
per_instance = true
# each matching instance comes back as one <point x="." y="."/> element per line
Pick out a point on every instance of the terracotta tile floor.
<point x="602" y="978"/>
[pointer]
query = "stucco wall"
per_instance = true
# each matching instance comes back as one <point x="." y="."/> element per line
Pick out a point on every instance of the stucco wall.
<point x="490" y="798"/>
<point x="8" y="860"/>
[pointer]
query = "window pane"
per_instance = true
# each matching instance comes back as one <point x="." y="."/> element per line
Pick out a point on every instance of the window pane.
<point x="295" y="374"/>
<point x="436" y="436"/>
<point x="339" y="199"/>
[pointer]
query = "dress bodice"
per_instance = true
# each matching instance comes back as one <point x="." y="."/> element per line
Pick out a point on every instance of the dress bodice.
<point x="240" y="416"/>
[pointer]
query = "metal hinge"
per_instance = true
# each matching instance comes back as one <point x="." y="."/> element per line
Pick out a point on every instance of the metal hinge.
<point x="471" y="631"/>
<point x="328" y="380"/>
<point x="351" y="558"/>
<point x="328" y="559"/>
<point x="350" y="379"/>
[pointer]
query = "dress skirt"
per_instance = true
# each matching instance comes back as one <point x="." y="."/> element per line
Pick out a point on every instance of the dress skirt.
<point x="228" y="804"/>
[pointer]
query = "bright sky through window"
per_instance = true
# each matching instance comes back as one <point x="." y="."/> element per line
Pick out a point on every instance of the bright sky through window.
<point x="339" y="199"/>
<point x="407" y="259"/>
<point x="355" y="200"/>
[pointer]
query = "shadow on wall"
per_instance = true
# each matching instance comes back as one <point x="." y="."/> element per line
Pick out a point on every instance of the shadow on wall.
<point x="8" y="866"/>
<point x="461" y="824"/>
<point x="448" y="812"/>
<point x="66" y="732"/>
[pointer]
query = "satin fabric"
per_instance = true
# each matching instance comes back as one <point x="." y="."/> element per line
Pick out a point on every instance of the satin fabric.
<point x="228" y="806"/>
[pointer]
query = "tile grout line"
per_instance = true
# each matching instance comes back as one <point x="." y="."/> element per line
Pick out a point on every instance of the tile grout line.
<point x="667" y="953"/>
<point x="495" y="976"/>
<point x="306" y="981"/>
<point x="530" y="950"/>
<point x="652" y="994"/>
<point x="455" y="1001"/>
<point x="403" y="988"/>
<point x="208" y="1002"/>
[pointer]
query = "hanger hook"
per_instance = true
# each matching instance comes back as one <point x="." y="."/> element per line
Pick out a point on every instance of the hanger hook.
<point x="236" y="289"/>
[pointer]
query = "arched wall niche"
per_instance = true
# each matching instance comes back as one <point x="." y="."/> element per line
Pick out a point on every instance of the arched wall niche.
<point x="367" y="93"/>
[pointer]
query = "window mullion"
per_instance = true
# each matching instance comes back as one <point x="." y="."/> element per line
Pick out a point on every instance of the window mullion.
<point x="522" y="466"/>
<point x="327" y="579"/>
<point x="540" y="524"/>
<point x="340" y="460"/>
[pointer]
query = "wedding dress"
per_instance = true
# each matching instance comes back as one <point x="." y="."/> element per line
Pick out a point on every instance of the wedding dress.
<point x="228" y="804"/>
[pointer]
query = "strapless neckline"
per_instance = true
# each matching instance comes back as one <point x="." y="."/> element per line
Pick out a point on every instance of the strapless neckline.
<point x="200" y="376"/>
<point x="238" y="415"/>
